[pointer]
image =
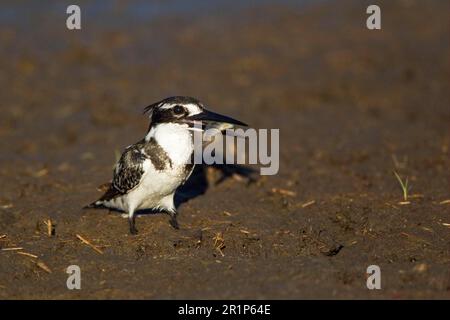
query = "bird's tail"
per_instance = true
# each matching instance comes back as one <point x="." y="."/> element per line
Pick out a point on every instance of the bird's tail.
<point x="94" y="205"/>
<point x="110" y="192"/>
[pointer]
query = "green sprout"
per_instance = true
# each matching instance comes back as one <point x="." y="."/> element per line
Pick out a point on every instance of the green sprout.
<point x="404" y="186"/>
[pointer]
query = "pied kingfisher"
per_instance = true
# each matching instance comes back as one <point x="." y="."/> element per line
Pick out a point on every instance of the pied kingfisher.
<point x="149" y="171"/>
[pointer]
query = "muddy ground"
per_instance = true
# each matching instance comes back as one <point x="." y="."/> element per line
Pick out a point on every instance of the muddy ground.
<point x="352" y="106"/>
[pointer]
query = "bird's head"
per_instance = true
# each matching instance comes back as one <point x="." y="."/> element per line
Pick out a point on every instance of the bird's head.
<point x="187" y="111"/>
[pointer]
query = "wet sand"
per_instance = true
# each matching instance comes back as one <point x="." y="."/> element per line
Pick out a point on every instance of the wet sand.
<point x="352" y="106"/>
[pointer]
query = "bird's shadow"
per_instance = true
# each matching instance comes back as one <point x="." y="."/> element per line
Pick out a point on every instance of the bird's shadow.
<point x="200" y="181"/>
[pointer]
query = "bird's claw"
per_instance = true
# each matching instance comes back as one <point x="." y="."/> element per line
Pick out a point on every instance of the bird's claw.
<point x="174" y="223"/>
<point x="133" y="231"/>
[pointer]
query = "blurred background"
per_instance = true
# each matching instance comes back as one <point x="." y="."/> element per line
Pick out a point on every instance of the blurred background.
<point x="352" y="106"/>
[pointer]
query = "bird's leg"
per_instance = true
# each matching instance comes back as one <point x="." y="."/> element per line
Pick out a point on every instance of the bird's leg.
<point x="173" y="219"/>
<point x="131" y="220"/>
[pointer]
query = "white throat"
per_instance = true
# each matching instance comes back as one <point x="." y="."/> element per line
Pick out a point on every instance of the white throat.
<point x="175" y="139"/>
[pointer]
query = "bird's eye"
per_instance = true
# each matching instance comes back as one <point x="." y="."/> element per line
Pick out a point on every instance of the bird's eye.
<point x="178" y="109"/>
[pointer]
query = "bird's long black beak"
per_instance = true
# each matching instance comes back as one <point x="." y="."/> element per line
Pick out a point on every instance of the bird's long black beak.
<point x="210" y="116"/>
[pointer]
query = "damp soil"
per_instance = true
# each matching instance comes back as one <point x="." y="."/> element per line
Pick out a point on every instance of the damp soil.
<point x="352" y="106"/>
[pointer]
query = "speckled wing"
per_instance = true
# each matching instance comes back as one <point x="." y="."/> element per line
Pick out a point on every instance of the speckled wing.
<point x="129" y="170"/>
<point x="127" y="175"/>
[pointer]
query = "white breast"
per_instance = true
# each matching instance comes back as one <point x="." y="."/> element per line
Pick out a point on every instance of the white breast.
<point x="158" y="186"/>
<point x="176" y="140"/>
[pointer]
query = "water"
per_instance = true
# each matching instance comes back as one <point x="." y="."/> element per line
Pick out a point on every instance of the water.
<point x="122" y="12"/>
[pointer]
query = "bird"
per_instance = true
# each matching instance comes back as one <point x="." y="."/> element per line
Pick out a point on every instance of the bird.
<point x="149" y="171"/>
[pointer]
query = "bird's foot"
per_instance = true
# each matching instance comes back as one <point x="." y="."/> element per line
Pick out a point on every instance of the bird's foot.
<point x="133" y="230"/>
<point x="131" y="220"/>
<point x="174" y="223"/>
<point x="173" y="220"/>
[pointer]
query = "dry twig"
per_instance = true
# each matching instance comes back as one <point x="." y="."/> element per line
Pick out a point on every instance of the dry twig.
<point x="95" y="248"/>
<point x="284" y="192"/>
<point x="12" y="249"/>
<point x="43" y="266"/>
<point x="27" y="254"/>
<point x="309" y="203"/>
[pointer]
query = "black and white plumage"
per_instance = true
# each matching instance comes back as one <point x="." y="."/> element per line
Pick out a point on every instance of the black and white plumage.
<point x="149" y="171"/>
